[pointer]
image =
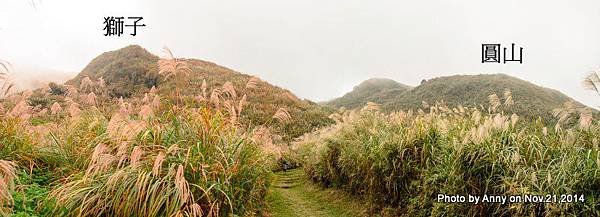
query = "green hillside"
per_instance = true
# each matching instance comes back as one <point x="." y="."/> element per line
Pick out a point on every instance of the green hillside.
<point x="377" y="90"/>
<point x="132" y="71"/>
<point x="531" y="101"/>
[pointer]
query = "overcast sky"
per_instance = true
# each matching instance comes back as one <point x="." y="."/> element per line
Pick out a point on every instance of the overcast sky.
<point x="320" y="49"/>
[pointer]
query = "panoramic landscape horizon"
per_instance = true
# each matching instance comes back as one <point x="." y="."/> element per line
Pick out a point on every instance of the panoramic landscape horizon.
<point x="299" y="108"/>
<point x="349" y="43"/>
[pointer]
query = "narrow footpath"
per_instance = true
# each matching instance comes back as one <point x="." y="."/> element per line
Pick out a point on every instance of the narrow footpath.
<point x="292" y="195"/>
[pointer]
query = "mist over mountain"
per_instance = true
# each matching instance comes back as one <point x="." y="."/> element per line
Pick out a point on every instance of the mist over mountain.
<point x="29" y="77"/>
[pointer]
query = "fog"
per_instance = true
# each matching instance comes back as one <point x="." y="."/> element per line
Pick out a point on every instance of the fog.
<point x="320" y="49"/>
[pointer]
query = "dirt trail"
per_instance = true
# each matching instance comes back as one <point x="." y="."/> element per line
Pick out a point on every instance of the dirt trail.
<point x="290" y="195"/>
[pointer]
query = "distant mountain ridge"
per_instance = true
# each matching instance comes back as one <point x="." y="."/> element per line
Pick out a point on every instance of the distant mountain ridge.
<point x="378" y="90"/>
<point x="531" y="100"/>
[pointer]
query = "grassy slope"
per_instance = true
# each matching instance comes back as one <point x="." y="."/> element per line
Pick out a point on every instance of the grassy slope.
<point x="133" y="71"/>
<point x="532" y="101"/>
<point x="292" y="195"/>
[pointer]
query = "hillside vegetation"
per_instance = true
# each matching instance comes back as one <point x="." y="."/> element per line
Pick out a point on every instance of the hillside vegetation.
<point x="531" y="101"/>
<point x="138" y="135"/>
<point x="403" y="160"/>
<point x="133" y="71"/>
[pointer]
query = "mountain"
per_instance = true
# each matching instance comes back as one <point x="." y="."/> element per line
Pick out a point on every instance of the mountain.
<point x="377" y="90"/>
<point x="132" y="71"/>
<point x="127" y="71"/>
<point x="531" y="101"/>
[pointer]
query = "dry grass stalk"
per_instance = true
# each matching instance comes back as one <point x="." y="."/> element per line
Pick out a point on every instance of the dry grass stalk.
<point x="156" y="102"/>
<point x="21" y="110"/>
<point x="86" y="84"/>
<point x="195" y="210"/>
<point x="262" y="135"/>
<point x="90" y="99"/>
<point x="101" y="83"/>
<point x="136" y="155"/>
<point x="124" y="108"/>
<point x="42" y="112"/>
<point x="100" y="161"/>
<point x="73" y="109"/>
<point x="122" y="153"/>
<point x="585" y="118"/>
<point x="26" y="94"/>
<point x="252" y="83"/>
<point x="564" y="113"/>
<point x="158" y="161"/>
<point x="4" y="69"/>
<point x="55" y="108"/>
<point x="153" y="90"/>
<point x="5" y="88"/>
<point x="508" y="98"/>
<point x="146" y="112"/>
<point x="203" y="87"/>
<point x="241" y="105"/>
<point x="182" y="184"/>
<point x="282" y="115"/>
<point x="229" y="90"/>
<point x="132" y="129"/>
<point x="232" y="111"/>
<point x="72" y="92"/>
<point x="171" y="66"/>
<point x="494" y="101"/>
<point x="215" y="97"/>
<point x="115" y="124"/>
<point x="146" y="98"/>
<point x="592" y="82"/>
<point x="7" y="175"/>
<point x="513" y="119"/>
<point x="7" y="85"/>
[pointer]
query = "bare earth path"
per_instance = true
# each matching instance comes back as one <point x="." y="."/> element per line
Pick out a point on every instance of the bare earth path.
<point x="292" y="195"/>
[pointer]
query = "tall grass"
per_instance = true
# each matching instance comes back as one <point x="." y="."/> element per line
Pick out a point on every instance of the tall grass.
<point x="149" y="156"/>
<point x="192" y="164"/>
<point x="403" y="160"/>
<point x="7" y="168"/>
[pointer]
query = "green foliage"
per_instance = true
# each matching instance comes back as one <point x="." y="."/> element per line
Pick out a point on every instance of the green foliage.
<point x="410" y="158"/>
<point x="38" y="99"/>
<point x="31" y="196"/>
<point x="57" y="89"/>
